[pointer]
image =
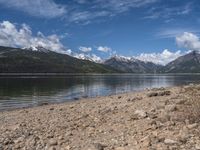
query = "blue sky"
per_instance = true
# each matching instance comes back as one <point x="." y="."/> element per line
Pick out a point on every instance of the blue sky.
<point x="146" y="29"/>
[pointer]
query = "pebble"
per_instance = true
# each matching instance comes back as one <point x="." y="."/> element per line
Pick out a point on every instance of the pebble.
<point x="96" y="146"/>
<point x="20" y="139"/>
<point x="53" y="142"/>
<point x="6" y="141"/>
<point x="170" y="142"/>
<point x="52" y="148"/>
<point x="141" y="113"/>
<point x="180" y="101"/>
<point x="120" y="148"/>
<point x="197" y="146"/>
<point x="192" y="126"/>
<point x="51" y="108"/>
<point x="170" y="108"/>
<point x="184" y="134"/>
<point x="146" y="141"/>
<point x="152" y="94"/>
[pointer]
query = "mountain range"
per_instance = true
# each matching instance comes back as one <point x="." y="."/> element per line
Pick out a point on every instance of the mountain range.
<point x="132" y="65"/>
<point x="41" y="60"/>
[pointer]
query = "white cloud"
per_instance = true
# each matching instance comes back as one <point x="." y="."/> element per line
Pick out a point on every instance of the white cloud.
<point x="75" y="11"/>
<point x="104" y="49"/>
<point x="188" y="40"/>
<point x="38" y="8"/>
<point x="85" y="49"/>
<point x="85" y="17"/>
<point x="169" y="12"/>
<point x="119" y="6"/>
<point x="13" y="36"/>
<point x="160" y="58"/>
<point x="102" y="8"/>
<point x="174" y="32"/>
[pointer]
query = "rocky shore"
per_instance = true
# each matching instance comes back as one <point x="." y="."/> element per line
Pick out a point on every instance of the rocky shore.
<point x="156" y="119"/>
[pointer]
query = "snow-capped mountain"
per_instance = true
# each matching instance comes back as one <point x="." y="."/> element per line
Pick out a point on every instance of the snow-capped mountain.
<point x="124" y="58"/>
<point x="131" y="65"/>
<point x="119" y="62"/>
<point x="90" y="57"/>
<point x="51" y="61"/>
<point x="82" y="56"/>
<point x="121" y="58"/>
<point x="41" y="60"/>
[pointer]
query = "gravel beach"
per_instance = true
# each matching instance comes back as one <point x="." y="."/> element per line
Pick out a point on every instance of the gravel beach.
<point x="154" y="119"/>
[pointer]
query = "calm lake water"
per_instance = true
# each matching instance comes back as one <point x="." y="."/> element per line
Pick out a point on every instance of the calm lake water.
<point x="25" y="91"/>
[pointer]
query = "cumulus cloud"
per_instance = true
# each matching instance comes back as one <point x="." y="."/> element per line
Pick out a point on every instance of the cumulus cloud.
<point x="188" y="40"/>
<point x="160" y="58"/>
<point x="104" y="49"/>
<point x="85" y="49"/>
<point x="13" y="36"/>
<point x="38" y="8"/>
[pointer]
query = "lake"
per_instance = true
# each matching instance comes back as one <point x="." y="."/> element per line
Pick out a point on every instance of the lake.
<point x="26" y="91"/>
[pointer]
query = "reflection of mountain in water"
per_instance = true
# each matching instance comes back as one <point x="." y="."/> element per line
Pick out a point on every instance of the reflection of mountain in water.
<point x="22" y="92"/>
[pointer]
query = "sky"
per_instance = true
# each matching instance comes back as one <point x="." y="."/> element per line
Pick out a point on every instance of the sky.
<point x="150" y="30"/>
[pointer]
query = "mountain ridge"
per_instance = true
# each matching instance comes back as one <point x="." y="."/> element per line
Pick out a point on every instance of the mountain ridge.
<point x="189" y="63"/>
<point x="41" y="60"/>
<point x="16" y="60"/>
<point x="132" y="65"/>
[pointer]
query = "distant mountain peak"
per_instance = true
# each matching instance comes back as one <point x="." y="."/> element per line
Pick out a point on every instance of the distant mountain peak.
<point x="126" y="59"/>
<point x="90" y="57"/>
<point x="120" y="57"/>
<point x="123" y="58"/>
<point x="131" y="64"/>
<point x="188" y="63"/>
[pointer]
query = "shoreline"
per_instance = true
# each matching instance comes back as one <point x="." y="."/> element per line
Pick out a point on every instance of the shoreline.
<point x="150" y="119"/>
<point x="73" y="101"/>
<point x="70" y="101"/>
<point x="88" y="74"/>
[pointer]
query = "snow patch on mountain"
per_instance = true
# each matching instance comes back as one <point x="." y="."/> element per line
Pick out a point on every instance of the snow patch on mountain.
<point x="90" y="57"/>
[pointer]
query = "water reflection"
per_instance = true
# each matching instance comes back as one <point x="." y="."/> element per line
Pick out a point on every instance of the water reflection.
<point x="32" y="91"/>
